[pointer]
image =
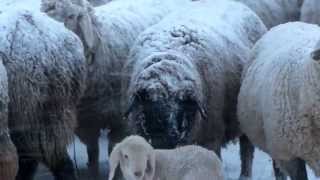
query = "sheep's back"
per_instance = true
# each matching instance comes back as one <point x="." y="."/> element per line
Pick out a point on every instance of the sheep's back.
<point x="187" y="161"/>
<point x="275" y="12"/>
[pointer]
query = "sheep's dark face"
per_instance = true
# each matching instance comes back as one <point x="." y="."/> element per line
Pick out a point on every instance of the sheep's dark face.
<point x="166" y="121"/>
<point x="166" y="100"/>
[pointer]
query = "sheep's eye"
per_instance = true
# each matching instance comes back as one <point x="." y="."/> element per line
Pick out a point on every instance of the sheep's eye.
<point x="71" y="16"/>
<point x="126" y="156"/>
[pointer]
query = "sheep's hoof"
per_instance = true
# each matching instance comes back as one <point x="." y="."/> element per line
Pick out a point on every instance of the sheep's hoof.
<point x="244" y="178"/>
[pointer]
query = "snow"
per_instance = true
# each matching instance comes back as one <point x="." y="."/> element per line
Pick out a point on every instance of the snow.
<point x="18" y="4"/>
<point x="262" y="165"/>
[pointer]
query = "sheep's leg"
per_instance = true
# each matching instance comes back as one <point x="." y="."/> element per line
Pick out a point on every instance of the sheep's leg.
<point x="246" y="155"/>
<point x="27" y="168"/>
<point x="62" y="168"/>
<point x="116" y="135"/>
<point x="295" y="168"/>
<point x="93" y="156"/>
<point x="279" y="175"/>
<point x="90" y="137"/>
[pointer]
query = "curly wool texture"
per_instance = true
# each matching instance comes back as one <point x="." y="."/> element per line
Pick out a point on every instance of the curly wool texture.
<point x="275" y="12"/>
<point x="310" y="11"/>
<point x="205" y="55"/>
<point x="46" y="76"/>
<point x="279" y="99"/>
<point x="8" y="153"/>
<point x="120" y="23"/>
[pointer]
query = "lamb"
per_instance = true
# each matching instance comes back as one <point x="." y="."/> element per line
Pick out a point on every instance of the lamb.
<point x="46" y="70"/>
<point x="183" y="76"/>
<point x="275" y="12"/>
<point x="139" y="161"/>
<point x="310" y="11"/>
<point x="8" y="153"/>
<point x="279" y="98"/>
<point x="107" y="33"/>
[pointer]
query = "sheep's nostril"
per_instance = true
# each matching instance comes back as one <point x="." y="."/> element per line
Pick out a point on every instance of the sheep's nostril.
<point x="138" y="174"/>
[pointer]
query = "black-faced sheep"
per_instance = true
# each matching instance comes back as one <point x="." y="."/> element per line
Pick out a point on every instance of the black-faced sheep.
<point x="107" y="33"/>
<point x="139" y="161"/>
<point x="278" y="104"/>
<point x="183" y="76"/>
<point x="8" y="153"/>
<point x="46" y="71"/>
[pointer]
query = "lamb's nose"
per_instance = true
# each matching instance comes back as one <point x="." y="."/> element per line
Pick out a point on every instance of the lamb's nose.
<point x="138" y="173"/>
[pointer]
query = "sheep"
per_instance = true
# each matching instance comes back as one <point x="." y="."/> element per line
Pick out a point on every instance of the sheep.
<point x="278" y="104"/>
<point x="8" y="153"/>
<point x="310" y="11"/>
<point x="46" y="70"/>
<point x="275" y="12"/>
<point x="182" y="77"/>
<point x="107" y="33"/>
<point x="139" y="161"/>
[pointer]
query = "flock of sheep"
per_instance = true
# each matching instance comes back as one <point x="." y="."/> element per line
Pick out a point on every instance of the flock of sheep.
<point x="175" y="72"/>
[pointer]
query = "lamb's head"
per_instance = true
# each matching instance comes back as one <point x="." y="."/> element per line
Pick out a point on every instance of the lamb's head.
<point x="78" y="16"/>
<point x="166" y="100"/>
<point x="136" y="158"/>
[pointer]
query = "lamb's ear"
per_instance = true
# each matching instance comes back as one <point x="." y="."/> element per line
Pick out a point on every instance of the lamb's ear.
<point x="151" y="166"/>
<point x="87" y="29"/>
<point x="315" y="55"/>
<point x="114" y="160"/>
<point x="133" y="103"/>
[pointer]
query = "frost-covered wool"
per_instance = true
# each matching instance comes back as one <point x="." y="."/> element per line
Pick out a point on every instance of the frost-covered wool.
<point x="275" y="12"/>
<point x="279" y="98"/>
<point x="46" y="76"/>
<point x="8" y="153"/>
<point x="98" y="2"/>
<point x="187" y="66"/>
<point x="310" y="11"/>
<point x="183" y="163"/>
<point x="107" y="33"/>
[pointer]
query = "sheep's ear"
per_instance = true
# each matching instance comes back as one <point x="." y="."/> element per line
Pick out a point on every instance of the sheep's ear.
<point x="114" y="160"/>
<point x="202" y="110"/>
<point x="315" y="55"/>
<point x="151" y="166"/>
<point x="87" y="30"/>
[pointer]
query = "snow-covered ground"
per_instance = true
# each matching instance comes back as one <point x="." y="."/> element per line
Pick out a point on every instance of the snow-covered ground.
<point x="262" y="166"/>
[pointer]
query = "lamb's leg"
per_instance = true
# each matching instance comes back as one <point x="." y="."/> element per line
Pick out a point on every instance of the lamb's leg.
<point x="246" y="155"/>
<point x="279" y="175"/>
<point x="27" y="168"/>
<point x="62" y="168"/>
<point x="296" y="169"/>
